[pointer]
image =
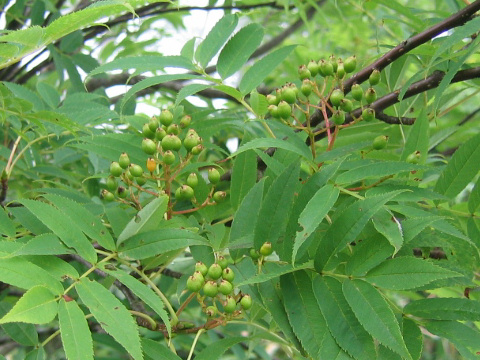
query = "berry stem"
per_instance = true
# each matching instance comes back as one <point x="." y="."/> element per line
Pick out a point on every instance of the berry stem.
<point x="197" y="336"/>
<point x="185" y="303"/>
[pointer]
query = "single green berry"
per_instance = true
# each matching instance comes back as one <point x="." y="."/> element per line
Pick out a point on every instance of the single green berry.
<point x="336" y="96"/>
<point x="201" y="267"/>
<point x="225" y="287"/>
<point x="173" y="129"/>
<point x="306" y="87"/>
<point x="197" y="149"/>
<point x="229" y="305"/>
<point x="148" y="146"/>
<point x="135" y="170"/>
<point x="129" y="175"/>
<point x="168" y="157"/>
<point x="266" y="249"/>
<point x="228" y="274"/>
<point x="151" y="164"/>
<point x="272" y="99"/>
<point x="312" y="66"/>
<point x="215" y="271"/>
<point x="185" y="121"/>
<point x="213" y="176"/>
<point x="179" y="194"/>
<point x="370" y="95"/>
<point x="350" y="64"/>
<point x="153" y="124"/>
<point x="346" y="105"/>
<point x="357" y="92"/>
<point x="195" y="283"/>
<point x="325" y="68"/>
<point x="246" y="302"/>
<point x="111" y="183"/>
<point x="368" y="114"/>
<point x="380" y="142"/>
<point x="166" y="117"/>
<point x="147" y="132"/>
<point x="219" y="196"/>
<point x="289" y="95"/>
<point x="254" y="254"/>
<point x="190" y="142"/>
<point x="374" y="78"/>
<point x="192" y="180"/>
<point x="124" y="160"/>
<point x="210" y="289"/>
<point x="222" y="261"/>
<point x="338" y="117"/>
<point x="160" y="133"/>
<point x="107" y="195"/>
<point x="334" y="63"/>
<point x="273" y="110"/>
<point x="211" y="311"/>
<point x="187" y="192"/>
<point x="414" y="158"/>
<point x="340" y="69"/>
<point x="141" y="180"/>
<point x="121" y="192"/>
<point x="303" y="72"/>
<point x="171" y="142"/>
<point x="284" y="110"/>
<point x="115" y="169"/>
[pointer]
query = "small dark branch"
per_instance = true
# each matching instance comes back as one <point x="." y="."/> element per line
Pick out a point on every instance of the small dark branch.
<point x="172" y="273"/>
<point x="394" y="119"/>
<point x="4" y="189"/>
<point x="469" y="116"/>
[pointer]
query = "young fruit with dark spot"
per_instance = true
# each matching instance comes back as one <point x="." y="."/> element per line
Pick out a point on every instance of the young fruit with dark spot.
<point x="219" y="196"/>
<point x="171" y="142"/>
<point x="340" y="69"/>
<point x="380" y="142"/>
<point x="338" y="117"/>
<point x="229" y="304"/>
<point x="215" y="271"/>
<point x="336" y="97"/>
<point x="192" y="180"/>
<point x="266" y="249"/>
<point x="312" y="66"/>
<point x="124" y="160"/>
<point x="284" y="110"/>
<point x="185" y="121"/>
<point x="135" y="170"/>
<point x="153" y="124"/>
<point x="289" y="95"/>
<point x="148" y="146"/>
<point x="325" y="68"/>
<point x="246" y="302"/>
<point x="211" y="311"/>
<point x="346" y="105"/>
<point x="307" y="87"/>
<point x="190" y="142"/>
<point x="303" y="72"/>
<point x="350" y="64"/>
<point x="195" y="282"/>
<point x="213" y="176"/>
<point x="115" y="169"/>
<point x="357" y="92"/>
<point x="166" y="117"/>
<point x="160" y="133"/>
<point x="225" y="287"/>
<point x="121" y="192"/>
<point x="222" y="261"/>
<point x="370" y="95"/>
<point x="107" y="195"/>
<point x="228" y="274"/>
<point x="210" y="289"/>
<point x="111" y="183"/>
<point x="168" y="157"/>
<point x="201" y="267"/>
<point x="368" y="114"/>
<point x="413" y="158"/>
<point x="374" y="78"/>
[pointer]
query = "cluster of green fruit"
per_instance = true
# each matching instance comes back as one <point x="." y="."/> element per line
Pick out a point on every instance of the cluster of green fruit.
<point x="216" y="283"/>
<point x="265" y="250"/>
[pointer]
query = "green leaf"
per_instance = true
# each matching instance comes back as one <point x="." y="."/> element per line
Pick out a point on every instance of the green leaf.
<point x="313" y="214"/>
<point x="461" y="169"/>
<point x="260" y="70"/>
<point x="474" y="198"/>
<point x="111" y="314"/>
<point x="417" y="139"/>
<point x="76" y="336"/>
<point x="244" y="177"/>
<point x="341" y="321"/>
<point x="231" y="91"/>
<point x="45" y="244"/>
<point x="24" y="334"/>
<point x="155" y="350"/>
<point x="37" y="354"/>
<point x="259" y="103"/>
<point x="274" y="272"/>
<point x="19" y="272"/>
<point x="465" y="339"/>
<point x="413" y="337"/>
<point x="375" y="315"/>
<point x="445" y="309"/>
<point x="144" y="293"/>
<point x="215" y="39"/>
<point x="275" y="207"/>
<point x="63" y="227"/>
<point x="387" y="225"/>
<point x="405" y="272"/>
<point x="146" y="219"/>
<point x="215" y="350"/>
<point x="37" y="306"/>
<point x="348" y="226"/>
<point x="7" y="227"/>
<point x="367" y="254"/>
<point x="189" y="90"/>
<point x="375" y="170"/>
<point x="151" y="243"/>
<point x="277" y="143"/>
<point x="238" y="49"/>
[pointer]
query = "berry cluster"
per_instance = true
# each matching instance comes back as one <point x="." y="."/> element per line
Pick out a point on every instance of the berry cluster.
<point x="265" y="250"/>
<point x="215" y="283"/>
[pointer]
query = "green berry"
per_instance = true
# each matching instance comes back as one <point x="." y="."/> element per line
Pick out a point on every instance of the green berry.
<point x="312" y="66"/>
<point x="266" y="249"/>
<point x="414" y="157"/>
<point x="350" y="64"/>
<point x="179" y="194"/>
<point x="111" y="183"/>
<point x="197" y="149"/>
<point x="336" y="97"/>
<point x="219" y="196"/>
<point x="289" y="95"/>
<point x="222" y="261"/>
<point x="340" y="69"/>
<point x="168" y="157"/>
<point x="254" y="254"/>
<point x="334" y="63"/>
<point x="135" y="170"/>
<point x="215" y="271"/>
<point x="173" y="129"/>
<point x="357" y="92"/>
<point x="228" y="274"/>
<point x="124" y="160"/>
<point x="201" y="267"/>
<point x="229" y="304"/>
<point x="380" y="142"/>
<point x="346" y="105"/>
<point x="210" y="289"/>
<point x="273" y="110"/>
<point x="187" y="192"/>
<point x="325" y="68"/>
<point x="225" y="287"/>
<point x="115" y="169"/>
<point x="190" y="142"/>
<point x="272" y="99"/>
<point x="303" y="72"/>
<point x="148" y="146"/>
<point x="160" y="133"/>
<point x="284" y="110"/>
<point x="192" y="180"/>
<point x="107" y="195"/>
<point x="246" y="302"/>
<point x="141" y="180"/>
<point x="368" y="114"/>
<point x="370" y="95"/>
<point x="306" y="87"/>
<point x="166" y="117"/>
<point x="338" y="117"/>
<point x="147" y="132"/>
<point x="171" y="142"/>
<point x="213" y="176"/>
<point x="185" y="121"/>
<point x="128" y="175"/>
<point x="195" y="282"/>
<point x="121" y="192"/>
<point x="153" y="124"/>
<point x="374" y="78"/>
<point x="211" y="311"/>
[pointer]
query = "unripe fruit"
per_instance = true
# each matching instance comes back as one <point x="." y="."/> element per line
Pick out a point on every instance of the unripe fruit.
<point x="115" y="169"/>
<point x="185" y="121"/>
<point x="225" y="287"/>
<point x="338" y="117"/>
<point x="190" y="142"/>
<point x="380" y="142"/>
<point x="213" y="176"/>
<point x="194" y="283"/>
<point x="284" y="110"/>
<point x="107" y="195"/>
<point x="229" y="305"/>
<point x="124" y="160"/>
<point x="222" y="261"/>
<point x="219" y="196"/>
<point x="211" y="311"/>
<point x="141" y="180"/>
<point x="313" y="68"/>
<point x="128" y="175"/>
<point x="173" y="129"/>
<point x="197" y="149"/>
<point x="179" y="194"/>
<point x="325" y="68"/>
<point x="336" y="97"/>
<point x="192" y="180"/>
<point x="368" y="114"/>
<point x="357" y="92"/>
<point x="160" y="133"/>
<point x="148" y="146"/>
<point x="272" y="99"/>
<point x="306" y="87"/>
<point x="135" y="170"/>
<point x="210" y="289"/>
<point x="254" y="254"/>
<point x="201" y="268"/>
<point x="147" y="132"/>
<point x="414" y="157"/>
<point x="228" y="274"/>
<point x="187" y="192"/>
<point x="171" y="142"/>
<point x="370" y="95"/>
<point x="111" y="183"/>
<point x="151" y="164"/>
<point x="121" y="192"/>
<point x="333" y="61"/>
<point x="215" y="271"/>
<point x="340" y="69"/>
<point x="266" y="249"/>
<point x="168" y="157"/>
<point x="289" y="95"/>
<point x="346" y="105"/>
<point x="273" y="110"/>
<point x="350" y="64"/>
<point x="166" y="117"/>
<point x="153" y="124"/>
<point x="374" y="78"/>
<point x="303" y="72"/>
<point x="246" y="302"/>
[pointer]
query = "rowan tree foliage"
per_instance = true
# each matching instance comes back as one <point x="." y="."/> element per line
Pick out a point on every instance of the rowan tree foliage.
<point x="299" y="180"/>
